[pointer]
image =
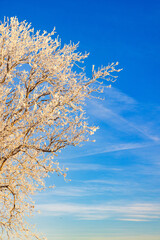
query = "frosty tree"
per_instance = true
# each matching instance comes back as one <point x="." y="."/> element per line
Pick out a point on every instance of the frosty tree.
<point x="42" y="92"/>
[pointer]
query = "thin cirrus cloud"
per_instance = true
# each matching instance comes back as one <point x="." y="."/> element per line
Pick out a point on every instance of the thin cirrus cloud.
<point x="90" y="167"/>
<point x="82" y="191"/>
<point x="114" y="111"/>
<point x="122" y="124"/>
<point x="126" y="126"/>
<point x="115" y="147"/>
<point x="105" y="148"/>
<point x="126" y="212"/>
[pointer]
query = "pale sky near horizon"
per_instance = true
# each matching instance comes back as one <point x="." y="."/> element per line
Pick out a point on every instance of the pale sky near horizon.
<point x="114" y="192"/>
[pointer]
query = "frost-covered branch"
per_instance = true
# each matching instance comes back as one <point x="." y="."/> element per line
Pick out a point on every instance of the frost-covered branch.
<point x="41" y="112"/>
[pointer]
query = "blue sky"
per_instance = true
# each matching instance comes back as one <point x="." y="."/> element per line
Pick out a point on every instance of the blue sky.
<point x="114" y="191"/>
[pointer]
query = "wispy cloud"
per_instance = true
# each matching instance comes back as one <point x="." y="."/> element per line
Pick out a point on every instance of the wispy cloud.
<point x="134" y="219"/>
<point x="103" y="181"/>
<point x="125" y="124"/>
<point x="128" y="212"/>
<point x="107" y="148"/>
<point x="90" y="167"/>
<point x="88" y="188"/>
<point x="120" y="111"/>
<point x="121" y="147"/>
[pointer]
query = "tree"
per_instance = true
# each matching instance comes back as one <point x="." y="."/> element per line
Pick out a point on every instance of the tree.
<point x="42" y="93"/>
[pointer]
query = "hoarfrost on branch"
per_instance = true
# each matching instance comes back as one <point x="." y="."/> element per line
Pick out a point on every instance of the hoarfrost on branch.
<point x="43" y="89"/>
